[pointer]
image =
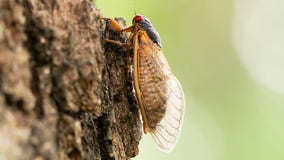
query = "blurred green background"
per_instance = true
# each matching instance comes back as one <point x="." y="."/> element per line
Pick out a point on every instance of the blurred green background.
<point x="232" y="112"/>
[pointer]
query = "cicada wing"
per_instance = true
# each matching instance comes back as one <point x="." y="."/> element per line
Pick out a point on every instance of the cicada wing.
<point x="162" y="97"/>
<point x="168" y="129"/>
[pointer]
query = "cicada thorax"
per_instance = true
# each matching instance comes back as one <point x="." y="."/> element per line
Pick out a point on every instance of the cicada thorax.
<point x="152" y="82"/>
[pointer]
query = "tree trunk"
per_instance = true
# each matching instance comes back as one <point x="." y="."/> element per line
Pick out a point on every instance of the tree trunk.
<point x="64" y="93"/>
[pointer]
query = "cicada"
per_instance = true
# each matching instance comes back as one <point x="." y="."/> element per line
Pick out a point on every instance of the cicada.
<point x="158" y="92"/>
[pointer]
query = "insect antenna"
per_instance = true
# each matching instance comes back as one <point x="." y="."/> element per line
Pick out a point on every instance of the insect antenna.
<point x="133" y="3"/>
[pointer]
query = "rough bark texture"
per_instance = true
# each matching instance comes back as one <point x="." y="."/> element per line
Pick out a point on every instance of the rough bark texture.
<point x="64" y="94"/>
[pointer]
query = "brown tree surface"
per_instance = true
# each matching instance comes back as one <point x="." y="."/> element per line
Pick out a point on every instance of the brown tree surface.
<point x="64" y="94"/>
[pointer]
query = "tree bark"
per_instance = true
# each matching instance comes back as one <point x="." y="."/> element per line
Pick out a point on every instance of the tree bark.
<point x="64" y="93"/>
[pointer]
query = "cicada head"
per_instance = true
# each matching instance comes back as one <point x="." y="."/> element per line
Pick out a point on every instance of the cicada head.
<point x="145" y="24"/>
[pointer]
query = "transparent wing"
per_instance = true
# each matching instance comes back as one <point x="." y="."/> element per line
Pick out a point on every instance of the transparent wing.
<point x="168" y="129"/>
<point x="162" y="95"/>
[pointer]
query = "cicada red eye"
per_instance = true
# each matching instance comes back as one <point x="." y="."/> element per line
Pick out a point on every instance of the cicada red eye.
<point x="138" y="18"/>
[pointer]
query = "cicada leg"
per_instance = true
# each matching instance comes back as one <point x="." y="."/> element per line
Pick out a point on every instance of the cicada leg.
<point x="116" y="43"/>
<point x="115" y="26"/>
